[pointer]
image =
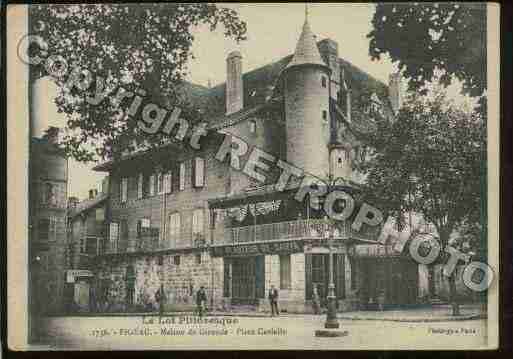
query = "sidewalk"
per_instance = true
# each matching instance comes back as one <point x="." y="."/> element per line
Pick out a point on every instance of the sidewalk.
<point x="438" y="313"/>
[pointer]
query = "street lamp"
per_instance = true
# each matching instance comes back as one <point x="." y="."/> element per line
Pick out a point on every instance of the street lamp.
<point x="331" y="316"/>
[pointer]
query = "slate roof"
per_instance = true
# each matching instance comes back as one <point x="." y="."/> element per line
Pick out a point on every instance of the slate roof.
<point x="262" y="88"/>
<point x="307" y="52"/>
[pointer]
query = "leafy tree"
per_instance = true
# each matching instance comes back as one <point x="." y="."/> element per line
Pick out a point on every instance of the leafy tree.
<point x="136" y="46"/>
<point x="426" y="37"/>
<point x="431" y="160"/>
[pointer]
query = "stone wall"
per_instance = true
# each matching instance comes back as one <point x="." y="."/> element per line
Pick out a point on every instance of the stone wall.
<point x="180" y="281"/>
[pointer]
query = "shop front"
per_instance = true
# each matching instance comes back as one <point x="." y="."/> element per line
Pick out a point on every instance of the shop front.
<point x="386" y="279"/>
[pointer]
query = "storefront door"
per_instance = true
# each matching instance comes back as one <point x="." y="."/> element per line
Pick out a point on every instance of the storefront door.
<point x="244" y="280"/>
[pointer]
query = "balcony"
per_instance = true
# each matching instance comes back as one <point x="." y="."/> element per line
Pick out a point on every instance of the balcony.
<point x="281" y="231"/>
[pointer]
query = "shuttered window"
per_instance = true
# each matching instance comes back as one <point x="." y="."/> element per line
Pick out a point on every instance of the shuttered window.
<point x="168" y="179"/>
<point x="182" y="176"/>
<point x="174" y="227"/>
<point x="113" y="232"/>
<point x="197" y="222"/>
<point x="151" y="185"/>
<point x="198" y="172"/>
<point x="124" y="190"/>
<point x="140" y="180"/>
<point x="160" y="182"/>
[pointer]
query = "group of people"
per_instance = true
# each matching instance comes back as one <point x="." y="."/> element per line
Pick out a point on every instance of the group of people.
<point x="201" y="300"/>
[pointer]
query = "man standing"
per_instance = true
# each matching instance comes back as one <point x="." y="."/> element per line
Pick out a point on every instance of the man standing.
<point x="201" y="299"/>
<point x="273" y="300"/>
<point x="160" y="298"/>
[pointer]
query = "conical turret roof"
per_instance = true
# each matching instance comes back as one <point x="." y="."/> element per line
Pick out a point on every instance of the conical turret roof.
<point x="307" y="52"/>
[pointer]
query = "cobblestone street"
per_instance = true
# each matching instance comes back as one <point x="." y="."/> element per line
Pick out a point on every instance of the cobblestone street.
<point x="285" y="332"/>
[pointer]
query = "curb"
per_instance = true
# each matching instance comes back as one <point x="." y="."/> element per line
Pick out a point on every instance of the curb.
<point x="290" y="315"/>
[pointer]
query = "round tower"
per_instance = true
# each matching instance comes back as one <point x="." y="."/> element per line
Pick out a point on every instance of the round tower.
<point x="307" y="115"/>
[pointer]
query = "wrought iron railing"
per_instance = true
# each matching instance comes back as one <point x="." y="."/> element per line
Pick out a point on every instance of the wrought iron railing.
<point x="283" y="230"/>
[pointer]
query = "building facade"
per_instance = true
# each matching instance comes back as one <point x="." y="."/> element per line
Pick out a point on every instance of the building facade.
<point x="182" y="218"/>
<point x="48" y="234"/>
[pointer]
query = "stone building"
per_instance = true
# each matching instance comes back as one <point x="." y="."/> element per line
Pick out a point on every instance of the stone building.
<point x="87" y="230"/>
<point x="48" y="239"/>
<point x="185" y="218"/>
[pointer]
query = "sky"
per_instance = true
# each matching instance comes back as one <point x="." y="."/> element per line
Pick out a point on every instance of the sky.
<point x="273" y="31"/>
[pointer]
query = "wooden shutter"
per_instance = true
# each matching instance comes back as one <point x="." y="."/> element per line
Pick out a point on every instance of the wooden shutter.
<point x="167" y="182"/>
<point x="198" y="172"/>
<point x="140" y="179"/>
<point x="182" y="176"/>
<point x="308" y="276"/>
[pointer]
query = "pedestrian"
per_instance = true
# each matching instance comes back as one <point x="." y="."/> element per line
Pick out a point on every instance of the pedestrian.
<point x="316" y="300"/>
<point x="201" y="299"/>
<point x="160" y="298"/>
<point x="273" y="300"/>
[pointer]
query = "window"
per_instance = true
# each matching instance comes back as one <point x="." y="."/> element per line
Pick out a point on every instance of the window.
<point x="113" y="232"/>
<point x="252" y="126"/>
<point x="285" y="272"/>
<point x="44" y="229"/>
<point x="49" y="195"/>
<point x="151" y="184"/>
<point x="100" y="214"/>
<point x="323" y="81"/>
<point x="160" y="183"/>
<point x="174" y="226"/>
<point x="176" y="260"/>
<point x="198" y="258"/>
<point x="168" y="179"/>
<point x="140" y="180"/>
<point x="197" y="222"/>
<point x="182" y="176"/>
<point x="143" y="226"/>
<point x="124" y="189"/>
<point x="198" y="172"/>
<point x="160" y="260"/>
<point x="325" y="115"/>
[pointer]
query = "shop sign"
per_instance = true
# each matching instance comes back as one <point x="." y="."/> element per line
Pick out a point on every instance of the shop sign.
<point x="73" y="274"/>
<point x="255" y="249"/>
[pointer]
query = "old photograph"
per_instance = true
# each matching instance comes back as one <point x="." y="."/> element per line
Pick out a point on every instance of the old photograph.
<point x="209" y="176"/>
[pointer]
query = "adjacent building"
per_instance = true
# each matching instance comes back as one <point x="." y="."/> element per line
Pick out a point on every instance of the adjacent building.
<point x="48" y="235"/>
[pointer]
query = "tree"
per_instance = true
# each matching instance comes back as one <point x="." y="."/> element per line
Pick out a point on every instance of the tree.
<point x="431" y="160"/>
<point x="137" y="46"/>
<point x="426" y="37"/>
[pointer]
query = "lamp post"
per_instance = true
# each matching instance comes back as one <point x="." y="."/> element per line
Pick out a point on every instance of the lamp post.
<point x="331" y="315"/>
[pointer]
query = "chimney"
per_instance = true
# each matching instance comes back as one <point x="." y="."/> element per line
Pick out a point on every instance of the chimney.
<point x="52" y="135"/>
<point x="234" y="91"/>
<point x="395" y="92"/>
<point x="345" y="93"/>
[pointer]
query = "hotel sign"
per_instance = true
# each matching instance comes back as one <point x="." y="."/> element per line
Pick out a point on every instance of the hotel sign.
<point x="255" y="249"/>
<point x="375" y="250"/>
